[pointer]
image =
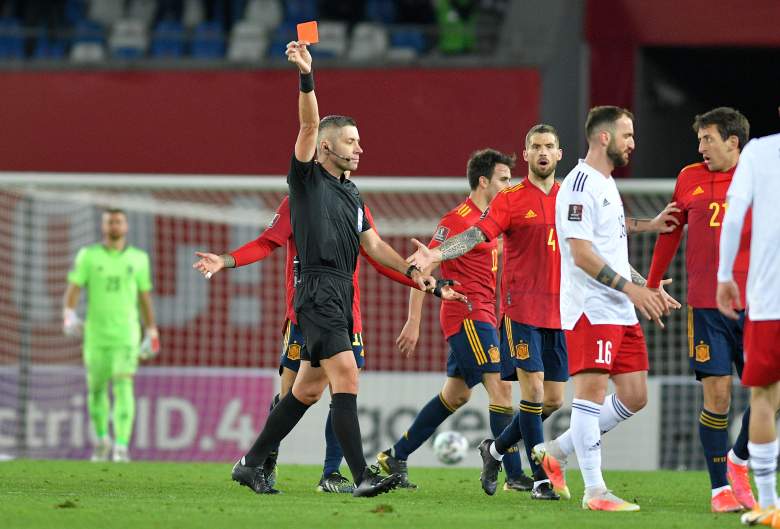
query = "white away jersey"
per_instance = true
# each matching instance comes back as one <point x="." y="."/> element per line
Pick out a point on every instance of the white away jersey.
<point x="589" y="208"/>
<point x="757" y="181"/>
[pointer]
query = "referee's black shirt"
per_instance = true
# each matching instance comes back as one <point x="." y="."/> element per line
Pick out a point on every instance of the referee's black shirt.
<point x="327" y="216"/>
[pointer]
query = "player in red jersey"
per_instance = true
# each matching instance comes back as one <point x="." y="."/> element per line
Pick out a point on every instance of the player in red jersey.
<point x="533" y="347"/>
<point x="714" y="341"/>
<point x="470" y="329"/>
<point x="279" y="233"/>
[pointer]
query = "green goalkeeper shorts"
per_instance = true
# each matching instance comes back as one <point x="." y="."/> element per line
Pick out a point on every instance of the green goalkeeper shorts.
<point x="104" y="363"/>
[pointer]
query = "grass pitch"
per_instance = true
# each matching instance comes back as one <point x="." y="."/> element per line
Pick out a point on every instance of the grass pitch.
<point x="72" y="494"/>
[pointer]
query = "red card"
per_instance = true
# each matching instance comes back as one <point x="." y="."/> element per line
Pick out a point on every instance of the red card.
<point x="308" y="31"/>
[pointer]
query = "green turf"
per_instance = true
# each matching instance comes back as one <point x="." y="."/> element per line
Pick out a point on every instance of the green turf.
<point x="64" y="494"/>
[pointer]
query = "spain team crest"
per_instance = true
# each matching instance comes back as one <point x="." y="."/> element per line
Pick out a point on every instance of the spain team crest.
<point x="494" y="355"/>
<point x="702" y="352"/>
<point x="521" y="351"/>
<point x="294" y="352"/>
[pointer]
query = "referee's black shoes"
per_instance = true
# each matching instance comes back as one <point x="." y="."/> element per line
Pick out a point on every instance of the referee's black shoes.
<point x="252" y="477"/>
<point x="374" y="484"/>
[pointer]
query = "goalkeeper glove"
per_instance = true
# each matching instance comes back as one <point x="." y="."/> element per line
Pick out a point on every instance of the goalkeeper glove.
<point x="150" y="346"/>
<point x="71" y="324"/>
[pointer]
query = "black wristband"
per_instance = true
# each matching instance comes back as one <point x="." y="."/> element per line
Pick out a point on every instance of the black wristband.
<point x="306" y="82"/>
<point x="441" y="283"/>
<point x="411" y="269"/>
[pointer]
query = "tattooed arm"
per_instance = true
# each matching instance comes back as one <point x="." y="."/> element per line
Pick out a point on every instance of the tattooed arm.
<point x="649" y="303"/>
<point x="461" y="244"/>
<point x="637" y="278"/>
<point x="450" y="249"/>
<point x="666" y="221"/>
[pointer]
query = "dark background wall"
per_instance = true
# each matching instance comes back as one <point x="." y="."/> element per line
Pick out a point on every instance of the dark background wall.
<point x="412" y="121"/>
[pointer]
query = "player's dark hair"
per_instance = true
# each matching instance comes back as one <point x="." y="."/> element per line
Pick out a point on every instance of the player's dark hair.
<point x="730" y="122"/>
<point x="115" y="211"/>
<point x="483" y="163"/>
<point x="542" y="128"/>
<point x="607" y="115"/>
<point x="336" y="121"/>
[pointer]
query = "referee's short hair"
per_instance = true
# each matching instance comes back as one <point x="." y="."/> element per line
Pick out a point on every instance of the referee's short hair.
<point x="335" y="122"/>
<point x="483" y="163"/>
<point x="604" y="117"/>
<point x="730" y="122"/>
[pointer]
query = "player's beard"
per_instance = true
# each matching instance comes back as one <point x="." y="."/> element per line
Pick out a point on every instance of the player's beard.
<point x="618" y="158"/>
<point x="543" y="172"/>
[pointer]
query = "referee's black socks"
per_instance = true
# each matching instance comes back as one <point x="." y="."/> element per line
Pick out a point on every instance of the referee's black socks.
<point x="344" y="416"/>
<point x="282" y="419"/>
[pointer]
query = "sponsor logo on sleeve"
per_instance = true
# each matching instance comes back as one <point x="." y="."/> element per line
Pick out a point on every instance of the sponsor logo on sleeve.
<point x="575" y="212"/>
<point x="441" y="234"/>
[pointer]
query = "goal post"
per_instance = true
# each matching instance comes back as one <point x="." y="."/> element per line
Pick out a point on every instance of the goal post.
<point x="207" y="394"/>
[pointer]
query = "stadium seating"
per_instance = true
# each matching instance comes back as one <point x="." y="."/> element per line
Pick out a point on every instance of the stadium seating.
<point x="300" y="10"/>
<point x="249" y="30"/>
<point x="333" y="40"/>
<point x="248" y="41"/>
<point x="11" y="39"/>
<point x="267" y="13"/>
<point x="106" y="12"/>
<point x="168" y="40"/>
<point x="129" y="39"/>
<point x="369" y="41"/>
<point x="208" y="41"/>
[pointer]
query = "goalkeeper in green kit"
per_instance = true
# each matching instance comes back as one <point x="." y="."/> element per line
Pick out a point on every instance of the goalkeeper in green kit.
<point x="118" y="283"/>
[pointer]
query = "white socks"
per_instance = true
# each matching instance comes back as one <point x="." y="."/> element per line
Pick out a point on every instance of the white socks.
<point x="494" y="452"/>
<point x="763" y="461"/>
<point x="586" y="438"/>
<point x="612" y="413"/>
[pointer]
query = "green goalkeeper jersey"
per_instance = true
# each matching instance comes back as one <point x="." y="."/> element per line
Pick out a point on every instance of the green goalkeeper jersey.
<point x="113" y="280"/>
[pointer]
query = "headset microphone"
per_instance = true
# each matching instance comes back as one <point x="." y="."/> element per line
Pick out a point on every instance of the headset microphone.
<point x="345" y="158"/>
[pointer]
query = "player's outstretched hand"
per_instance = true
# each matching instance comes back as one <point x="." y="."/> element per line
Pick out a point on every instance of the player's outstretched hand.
<point x="424" y="256"/>
<point x="298" y="54"/>
<point x="727" y="297"/>
<point x="208" y="264"/>
<point x="647" y="301"/>
<point x="668" y="300"/>
<point x="407" y="340"/>
<point x="666" y="221"/>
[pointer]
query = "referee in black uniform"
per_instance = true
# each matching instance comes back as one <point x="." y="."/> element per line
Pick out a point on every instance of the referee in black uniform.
<point x="329" y="226"/>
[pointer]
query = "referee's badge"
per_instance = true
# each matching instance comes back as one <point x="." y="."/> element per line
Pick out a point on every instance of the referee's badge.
<point x="360" y="220"/>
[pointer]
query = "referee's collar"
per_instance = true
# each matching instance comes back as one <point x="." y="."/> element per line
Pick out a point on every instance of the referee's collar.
<point x="343" y="178"/>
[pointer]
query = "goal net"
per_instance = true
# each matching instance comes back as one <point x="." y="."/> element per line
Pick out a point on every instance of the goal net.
<point x="207" y="394"/>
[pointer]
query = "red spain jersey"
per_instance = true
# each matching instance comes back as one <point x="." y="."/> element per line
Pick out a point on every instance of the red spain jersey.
<point x="531" y="277"/>
<point x="701" y="196"/>
<point x="475" y="271"/>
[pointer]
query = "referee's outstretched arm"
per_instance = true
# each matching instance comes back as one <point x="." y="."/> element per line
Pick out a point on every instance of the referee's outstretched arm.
<point x="308" y="113"/>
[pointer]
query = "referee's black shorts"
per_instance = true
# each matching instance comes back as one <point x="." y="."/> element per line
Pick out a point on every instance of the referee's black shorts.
<point x="323" y="305"/>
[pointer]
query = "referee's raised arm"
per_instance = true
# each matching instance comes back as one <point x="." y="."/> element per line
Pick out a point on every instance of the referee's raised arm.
<point x="308" y="113"/>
